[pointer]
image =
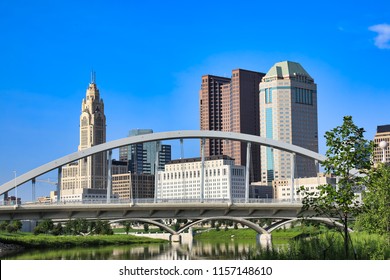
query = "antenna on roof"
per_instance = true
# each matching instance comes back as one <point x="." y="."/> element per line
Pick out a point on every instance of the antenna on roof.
<point x="93" y="77"/>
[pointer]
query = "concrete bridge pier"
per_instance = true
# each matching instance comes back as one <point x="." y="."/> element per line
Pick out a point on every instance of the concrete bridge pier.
<point x="175" y="238"/>
<point x="264" y="239"/>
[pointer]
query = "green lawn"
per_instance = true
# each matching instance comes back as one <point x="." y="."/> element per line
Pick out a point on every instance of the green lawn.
<point x="29" y="240"/>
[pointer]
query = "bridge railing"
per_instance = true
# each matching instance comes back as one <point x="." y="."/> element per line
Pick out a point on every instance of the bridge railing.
<point x="141" y="201"/>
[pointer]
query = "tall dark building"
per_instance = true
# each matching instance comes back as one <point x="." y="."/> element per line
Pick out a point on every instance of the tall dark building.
<point x="232" y="105"/>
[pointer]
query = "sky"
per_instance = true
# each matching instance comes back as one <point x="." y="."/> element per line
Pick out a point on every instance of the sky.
<point x="149" y="57"/>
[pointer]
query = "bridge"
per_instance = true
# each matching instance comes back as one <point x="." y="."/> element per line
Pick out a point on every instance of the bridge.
<point x="183" y="134"/>
<point x="158" y="209"/>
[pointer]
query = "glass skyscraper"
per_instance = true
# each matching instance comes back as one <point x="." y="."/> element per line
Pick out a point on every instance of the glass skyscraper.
<point x="141" y="157"/>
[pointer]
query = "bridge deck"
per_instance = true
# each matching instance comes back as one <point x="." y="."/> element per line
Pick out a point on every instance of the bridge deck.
<point x="149" y="211"/>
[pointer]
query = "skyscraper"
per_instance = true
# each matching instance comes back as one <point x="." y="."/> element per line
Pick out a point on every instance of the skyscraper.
<point x="288" y="112"/>
<point x="141" y="157"/>
<point x="93" y="170"/>
<point x="90" y="173"/>
<point x="232" y="105"/>
<point x="211" y="109"/>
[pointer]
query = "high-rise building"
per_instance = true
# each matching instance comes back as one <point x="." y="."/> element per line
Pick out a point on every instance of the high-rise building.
<point x="232" y="105"/>
<point x="141" y="157"/>
<point x="382" y="134"/>
<point x="288" y="112"/>
<point x="87" y="177"/>
<point x="211" y="109"/>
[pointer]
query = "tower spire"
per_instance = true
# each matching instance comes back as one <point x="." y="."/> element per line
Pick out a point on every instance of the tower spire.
<point x="93" y="77"/>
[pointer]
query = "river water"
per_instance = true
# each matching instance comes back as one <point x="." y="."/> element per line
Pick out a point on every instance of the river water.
<point x="195" y="250"/>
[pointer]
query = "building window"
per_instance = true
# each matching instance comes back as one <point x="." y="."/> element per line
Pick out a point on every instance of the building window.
<point x="268" y="95"/>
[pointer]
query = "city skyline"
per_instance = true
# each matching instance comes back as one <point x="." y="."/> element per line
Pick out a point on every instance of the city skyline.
<point x="148" y="67"/>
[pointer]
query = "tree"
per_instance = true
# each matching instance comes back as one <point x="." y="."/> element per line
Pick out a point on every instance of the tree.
<point x="15" y="226"/>
<point x="57" y="229"/>
<point x="348" y="154"/>
<point x="106" y="228"/>
<point x="44" y="227"/>
<point x="376" y="201"/>
<point x="127" y="226"/>
<point x="3" y="225"/>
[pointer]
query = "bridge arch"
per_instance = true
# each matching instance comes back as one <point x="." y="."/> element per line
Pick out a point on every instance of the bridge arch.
<point x="327" y="221"/>
<point x="171" y="135"/>
<point x="147" y="221"/>
<point x="243" y="221"/>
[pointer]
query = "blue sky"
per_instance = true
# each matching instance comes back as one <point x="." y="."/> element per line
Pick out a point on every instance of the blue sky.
<point x="149" y="57"/>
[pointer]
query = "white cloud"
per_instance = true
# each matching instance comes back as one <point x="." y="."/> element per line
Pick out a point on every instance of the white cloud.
<point x="382" y="40"/>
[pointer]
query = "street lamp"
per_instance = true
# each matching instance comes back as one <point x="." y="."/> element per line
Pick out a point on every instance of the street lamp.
<point x="383" y="145"/>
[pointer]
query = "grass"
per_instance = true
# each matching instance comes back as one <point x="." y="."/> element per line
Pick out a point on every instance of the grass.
<point x="329" y="246"/>
<point x="49" y="241"/>
<point x="227" y="234"/>
<point x="308" y="243"/>
<point x="245" y="233"/>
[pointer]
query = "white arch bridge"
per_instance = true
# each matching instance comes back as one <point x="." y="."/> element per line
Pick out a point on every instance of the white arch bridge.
<point x="153" y="213"/>
<point x="171" y="135"/>
<point x="157" y="209"/>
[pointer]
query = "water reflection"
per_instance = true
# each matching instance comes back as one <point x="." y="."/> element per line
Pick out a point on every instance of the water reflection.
<point x="194" y="251"/>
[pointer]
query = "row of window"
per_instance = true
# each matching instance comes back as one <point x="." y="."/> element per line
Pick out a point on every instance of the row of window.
<point x="303" y="96"/>
<point x="193" y="174"/>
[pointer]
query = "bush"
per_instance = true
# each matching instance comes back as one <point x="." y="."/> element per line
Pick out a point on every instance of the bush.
<point x="3" y="225"/>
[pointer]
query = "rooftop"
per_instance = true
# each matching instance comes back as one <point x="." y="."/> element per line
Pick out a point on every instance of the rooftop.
<point x="287" y="68"/>
<point x="383" y="128"/>
<point x="197" y="159"/>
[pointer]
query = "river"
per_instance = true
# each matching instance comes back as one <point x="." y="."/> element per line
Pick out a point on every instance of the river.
<point x="195" y="250"/>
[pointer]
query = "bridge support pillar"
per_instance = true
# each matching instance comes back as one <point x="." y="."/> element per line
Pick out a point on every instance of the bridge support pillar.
<point x="264" y="239"/>
<point x="248" y="160"/>
<point x="33" y="190"/>
<point x="203" y="142"/>
<point x="109" y="175"/>
<point x="175" y="238"/>
<point x="59" y="184"/>
<point x="156" y="171"/>
<point x="293" y="157"/>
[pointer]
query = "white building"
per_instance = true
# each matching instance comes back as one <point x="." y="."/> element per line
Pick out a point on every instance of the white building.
<point x="282" y="188"/>
<point x="182" y="179"/>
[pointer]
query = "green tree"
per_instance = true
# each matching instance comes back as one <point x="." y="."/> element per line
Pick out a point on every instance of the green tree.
<point x="44" y="227"/>
<point x="57" y="229"/>
<point x="376" y="201"/>
<point x="70" y="227"/>
<point x="3" y="225"/>
<point x="348" y="153"/>
<point x="77" y="227"/>
<point x="17" y="224"/>
<point x="106" y="228"/>
<point x="127" y="226"/>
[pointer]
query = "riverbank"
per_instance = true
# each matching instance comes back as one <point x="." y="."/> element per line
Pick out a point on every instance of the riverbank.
<point x="6" y="249"/>
<point x="20" y="241"/>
